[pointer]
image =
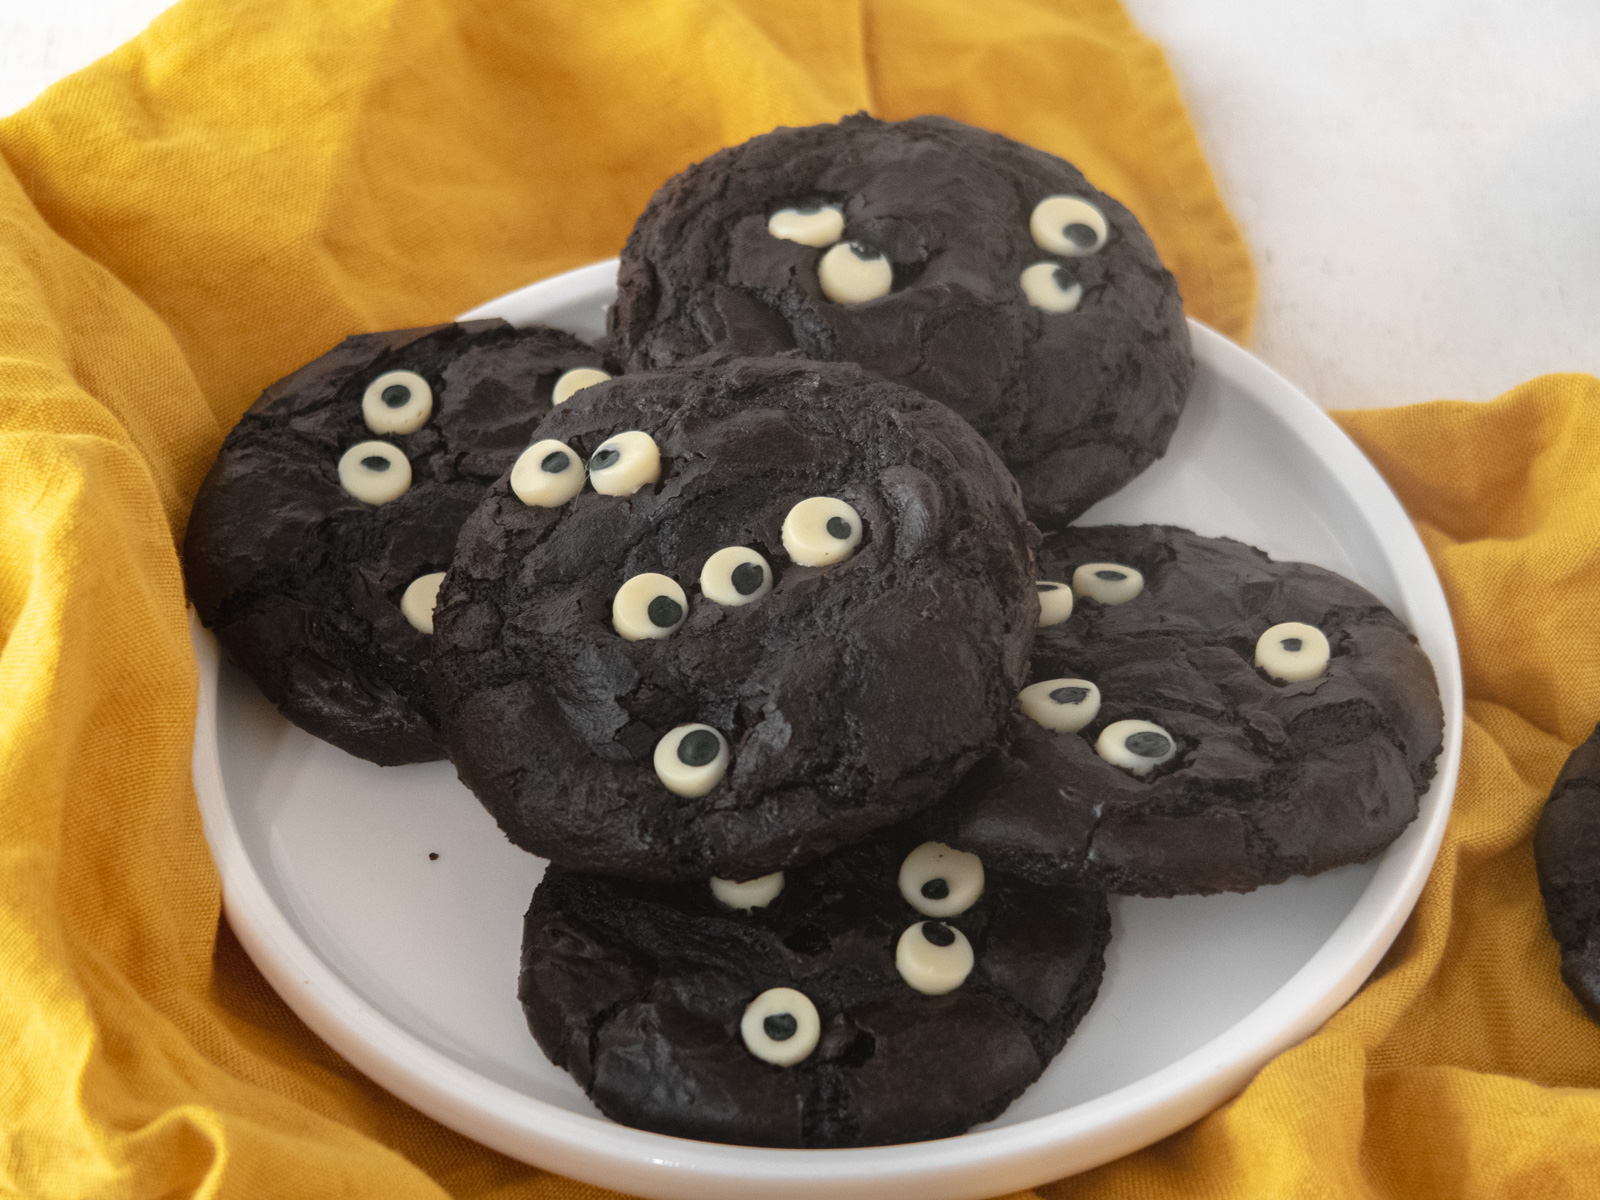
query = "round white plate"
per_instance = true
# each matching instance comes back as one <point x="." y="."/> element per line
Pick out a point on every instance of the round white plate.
<point x="385" y="906"/>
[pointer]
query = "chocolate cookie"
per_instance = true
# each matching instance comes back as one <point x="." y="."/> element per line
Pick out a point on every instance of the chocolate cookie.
<point x="985" y="273"/>
<point x="1566" y="851"/>
<point x="888" y="993"/>
<point x="1205" y="720"/>
<point x="320" y="533"/>
<point x="792" y="605"/>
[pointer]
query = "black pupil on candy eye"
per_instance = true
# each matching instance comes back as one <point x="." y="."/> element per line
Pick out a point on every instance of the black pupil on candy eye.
<point x="665" y="611"/>
<point x="1070" y="695"/>
<point x="936" y="889"/>
<point x="839" y="527"/>
<point x="1110" y="576"/>
<point x="863" y="251"/>
<point x="1147" y="744"/>
<point x="375" y="462"/>
<point x="1079" y="234"/>
<point x="604" y="457"/>
<point x="1046" y="587"/>
<point x="747" y="577"/>
<point x="808" y="210"/>
<point x="1292" y="645"/>
<point x="698" y="748"/>
<point x="1063" y="279"/>
<point x="780" y="1027"/>
<point x="396" y="394"/>
<point x="937" y="933"/>
<point x="555" y="462"/>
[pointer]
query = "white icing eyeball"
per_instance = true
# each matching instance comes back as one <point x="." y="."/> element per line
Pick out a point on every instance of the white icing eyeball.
<point x="734" y="576"/>
<point x="1048" y="287"/>
<point x="547" y="474"/>
<point x="1067" y="225"/>
<point x="624" y="463"/>
<point x="691" y="760"/>
<point x="1055" y="602"/>
<point x="940" y="882"/>
<point x="374" y="472"/>
<point x="821" y="531"/>
<point x="1107" y="583"/>
<point x="749" y="893"/>
<point x="1136" y="746"/>
<point x="934" y="958"/>
<point x="648" y="606"/>
<point x="1292" y="652"/>
<point x="810" y="225"/>
<point x="853" y="273"/>
<point x="419" y="600"/>
<point x="397" y="402"/>
<point x="1061" y="705"/>
<point x="576" y="380"/>
<point x="780" y="1027"/>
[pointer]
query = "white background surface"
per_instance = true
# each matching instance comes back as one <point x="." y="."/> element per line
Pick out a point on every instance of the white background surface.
<point x="1419" y="179"/>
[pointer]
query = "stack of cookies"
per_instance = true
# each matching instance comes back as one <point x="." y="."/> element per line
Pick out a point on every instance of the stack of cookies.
<point x="766" y="623"/>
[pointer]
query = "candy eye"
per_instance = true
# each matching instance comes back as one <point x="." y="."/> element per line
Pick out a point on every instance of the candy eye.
<point x="1061" y="705"/>
<point x="934" y="958"/>
<point x="1292" y="652"/>
<point x="735" y="576"/>
<point x="374" y="472"/>
<point x="1055" y="602"/>
<point x="940" y="882"/>
<point x="1067" y="225"/>
<point x="397" y="402"/>
<point x="691" y="760"/>
<point x="624" y="464"/>
<point x="780" y="1026"/>
<point x="1136" y="746"/>
<point x="1107" y="583"/>
<point x="547" y="474"/>
<point x="576" y="380"/>
<point x="820" y="531"/>
<point x="853" y="273"/>
<point x="750" y="893"/>
<point x="419" y="600"/>
<point x="809" y="224"/>
<point x="1048" y="286"/>
<point x="648" y="606"/>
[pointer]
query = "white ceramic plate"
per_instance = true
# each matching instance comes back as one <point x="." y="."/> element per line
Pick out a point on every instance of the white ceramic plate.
<point x="406" y="963"/>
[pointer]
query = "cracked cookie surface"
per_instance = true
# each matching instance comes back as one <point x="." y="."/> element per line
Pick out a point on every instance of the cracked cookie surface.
<point x="1263" y="779"/>
<point x="1566" y="851"/>
<point x="1077" y="397"/>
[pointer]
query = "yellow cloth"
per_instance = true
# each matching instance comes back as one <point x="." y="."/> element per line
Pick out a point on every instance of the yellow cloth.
<point x="249" y="181"/>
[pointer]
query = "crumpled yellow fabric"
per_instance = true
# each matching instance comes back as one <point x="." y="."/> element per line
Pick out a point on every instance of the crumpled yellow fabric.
<point x="251" y="180"/>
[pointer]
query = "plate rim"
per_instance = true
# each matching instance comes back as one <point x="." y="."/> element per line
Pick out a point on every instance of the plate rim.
<point x="977" y="1163"/>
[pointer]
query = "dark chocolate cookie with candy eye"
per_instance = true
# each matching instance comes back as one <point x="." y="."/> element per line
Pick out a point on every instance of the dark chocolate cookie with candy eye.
<point x="890" y="992"/>
<point x="1206" y="719"/>
<point x="985" y="273"/>
<point x="320" y="535"/>
<point x="792" y="605"/>
<point x="1566" y="852"/>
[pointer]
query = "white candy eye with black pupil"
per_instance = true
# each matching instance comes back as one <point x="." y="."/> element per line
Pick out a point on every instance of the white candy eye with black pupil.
<point x="810" y="225"/>
<point x="1048" y="287"/>
<point x="648" y="606"/>
<point x="1136" y="746"/>
<point x="939" y="881"/>
<point x="934" y="958"/>
<point x="547" y="474"/>
<point x="691" y="760"/>
<point x="397" y="402"/>
<point x="374" y="472"/>
<point x="1292" y="652"/>
<point x="1107" y="583"/>
<point x="1067" y="225"/>
<point x="1055" y="602"/>
<point x="624" y="463"/>
<point x="574" y="381"/>
<point x="780" y="1026"/>
<point x="820" y="531"/>
<point x="735" y="575"/>
<point x="421" y="597"/>
<point x="1061" y="705"/>
<point x="853" y="273"/>
<point x="748" y="893"/>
